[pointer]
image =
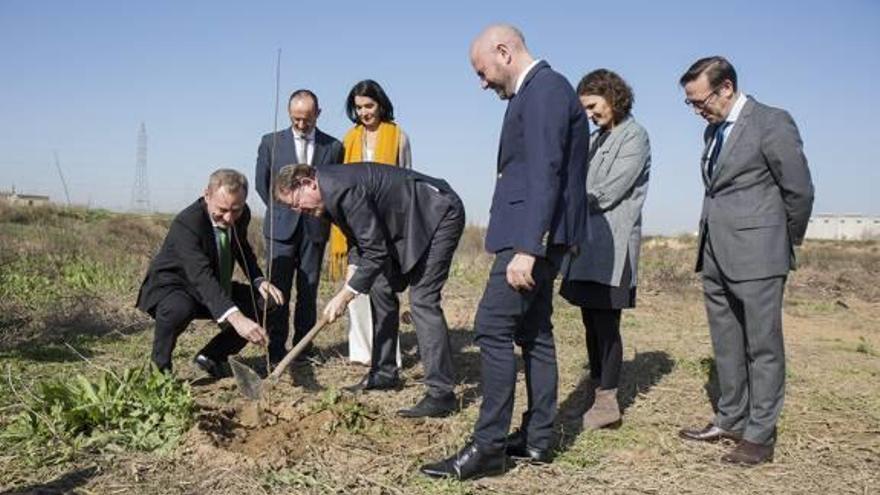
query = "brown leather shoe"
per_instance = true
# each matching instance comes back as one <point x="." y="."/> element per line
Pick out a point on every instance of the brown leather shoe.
<point x="710" y="433"/>
<point x="748" y="453"/>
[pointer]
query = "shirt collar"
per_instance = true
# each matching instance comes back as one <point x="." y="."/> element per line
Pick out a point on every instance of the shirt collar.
<point x="309" y="137"/>
<point x="737" y="108"/>
<point x="523" y="74"/>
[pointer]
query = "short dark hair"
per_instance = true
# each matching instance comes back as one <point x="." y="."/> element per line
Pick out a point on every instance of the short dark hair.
<point x="370" y="89"/>
<point x="612" y="87"/>
<point x="290" y="176"/>
<point x="716" y="68"/>
<point x="303" y="92"/>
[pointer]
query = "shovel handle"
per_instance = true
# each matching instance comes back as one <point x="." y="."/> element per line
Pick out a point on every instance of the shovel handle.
<point x="298" y="348"/>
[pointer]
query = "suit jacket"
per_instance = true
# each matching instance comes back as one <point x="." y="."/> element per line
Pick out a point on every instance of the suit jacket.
<point x="284" y="220"/>
<point x="539" y="197"/>
<point x="188" y="260"/>
<point x="617" y="184"/>
<point x="759" y="199"/>
<point x="388" y="215"/>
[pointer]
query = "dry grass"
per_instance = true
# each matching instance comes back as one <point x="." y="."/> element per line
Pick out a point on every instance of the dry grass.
<point x="313" y="440"/>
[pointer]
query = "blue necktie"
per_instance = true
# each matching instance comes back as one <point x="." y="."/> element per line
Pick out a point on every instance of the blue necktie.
<point x="716" y="148"/>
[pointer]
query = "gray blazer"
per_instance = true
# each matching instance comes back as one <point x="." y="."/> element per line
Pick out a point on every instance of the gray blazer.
<point x="617" y="183"/>
<point x="759" y="199"/>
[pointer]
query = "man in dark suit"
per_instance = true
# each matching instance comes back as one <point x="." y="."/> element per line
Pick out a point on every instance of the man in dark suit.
<point x="756" y="207"/>
<point x="294" y="243"/>
<point x="538" y="213"/>
<point x="402" y="229"/>
<point x="191" y="276"/>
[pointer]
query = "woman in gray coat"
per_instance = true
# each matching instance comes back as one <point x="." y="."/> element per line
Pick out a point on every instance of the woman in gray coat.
<point x="602" y="280"/>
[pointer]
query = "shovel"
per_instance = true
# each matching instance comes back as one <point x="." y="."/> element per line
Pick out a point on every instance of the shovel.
<point x="249" y="382"/>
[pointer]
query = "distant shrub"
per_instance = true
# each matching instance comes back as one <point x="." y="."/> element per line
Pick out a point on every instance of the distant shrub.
<point x="667" y="264"/>
<point x="837" y="269"/>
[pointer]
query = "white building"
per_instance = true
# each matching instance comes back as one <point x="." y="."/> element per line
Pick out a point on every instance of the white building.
<point x="844" y="227"/>
<point x="15" y="198"/>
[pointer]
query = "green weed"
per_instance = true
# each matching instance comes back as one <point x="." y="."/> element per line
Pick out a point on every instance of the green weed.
<point x="347" y="413"/>
<point x="37" y="281"/>
<point x="139" y="409"/>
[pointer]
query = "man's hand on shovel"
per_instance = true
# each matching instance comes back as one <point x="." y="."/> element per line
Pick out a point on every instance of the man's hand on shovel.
<point x="336" y="306"/>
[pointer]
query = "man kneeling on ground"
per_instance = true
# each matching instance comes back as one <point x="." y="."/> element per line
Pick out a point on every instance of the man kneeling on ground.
<point x="191" y="276"/>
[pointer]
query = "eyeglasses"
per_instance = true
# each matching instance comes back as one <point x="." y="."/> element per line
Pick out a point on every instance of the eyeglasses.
<point x="293" y="193"/>
<point x="700" y="104"/>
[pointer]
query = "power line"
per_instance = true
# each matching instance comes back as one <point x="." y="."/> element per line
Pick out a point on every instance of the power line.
<point x="63" y="182"/>
<point x="140" y="192"/>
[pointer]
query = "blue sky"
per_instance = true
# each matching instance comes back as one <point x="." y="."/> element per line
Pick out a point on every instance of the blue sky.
<point x="80" y="77"/>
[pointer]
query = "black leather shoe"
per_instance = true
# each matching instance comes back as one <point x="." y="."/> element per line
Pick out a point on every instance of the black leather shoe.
<point x="431" y="407"/>
<point x="209" y="366"/>
<point x="749" y="454"/>
<point x="469" y="463"/>
<point x="710" y="433"/>
<point x="518" y="448"/>
<point x="310" y="356"/>
<point x="376" y="382"/>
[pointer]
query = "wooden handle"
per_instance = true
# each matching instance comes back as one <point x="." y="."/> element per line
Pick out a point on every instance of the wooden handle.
<point x="298" y="348"/>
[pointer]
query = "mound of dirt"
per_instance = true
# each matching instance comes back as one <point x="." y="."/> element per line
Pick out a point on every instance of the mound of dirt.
<point x="275" y="432"/>
<point x="259" y="435"/>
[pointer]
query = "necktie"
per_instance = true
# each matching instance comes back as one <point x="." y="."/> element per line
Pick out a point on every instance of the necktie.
<point x="716" y="148"/>
<point x="225" y="260"/>
<point x="304" y="149"/>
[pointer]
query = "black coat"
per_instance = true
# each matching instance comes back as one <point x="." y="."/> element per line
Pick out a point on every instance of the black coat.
<point x="284" y="221"/>
<point x="188" y="260"/>
<point x="540" y="198"/>
<point x="388" y="215"/>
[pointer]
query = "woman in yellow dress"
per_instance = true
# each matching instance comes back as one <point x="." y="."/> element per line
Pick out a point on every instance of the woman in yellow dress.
<point x="375" y="137"/>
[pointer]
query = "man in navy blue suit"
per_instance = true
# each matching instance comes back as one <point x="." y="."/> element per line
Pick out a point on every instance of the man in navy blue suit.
<point x="537" y="215"/>
<point x="294" y="243"/>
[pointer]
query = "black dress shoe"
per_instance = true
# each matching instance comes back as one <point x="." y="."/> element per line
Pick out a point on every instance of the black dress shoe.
<point x="376" y="382"/>
<point x="209" y="366"/>
<point x="518" y="448"/>
<point x="470" y="462"/>
<point x="308" y="357"/>
<point x="749" y="454"/>
<point x="710" y="433"/>
<point x="431" y="407"/>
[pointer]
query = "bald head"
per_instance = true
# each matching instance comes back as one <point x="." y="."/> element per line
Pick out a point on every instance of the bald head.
<point x="499" y="55"/>
<point x="499" y="34"/>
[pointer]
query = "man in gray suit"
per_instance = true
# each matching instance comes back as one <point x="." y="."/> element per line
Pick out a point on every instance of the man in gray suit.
<point x="294" y="243"/>
<point x="757" y="203"/>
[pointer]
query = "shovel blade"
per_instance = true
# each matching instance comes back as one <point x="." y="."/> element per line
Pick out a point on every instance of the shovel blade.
<point x="249" y="382"/>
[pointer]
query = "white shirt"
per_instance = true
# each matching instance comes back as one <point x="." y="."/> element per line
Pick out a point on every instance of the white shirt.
<point x="734" y="113"/>
<point x="731" y="118"/>
<point x="298" y="144"/>
<point x="522" y="75"/>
